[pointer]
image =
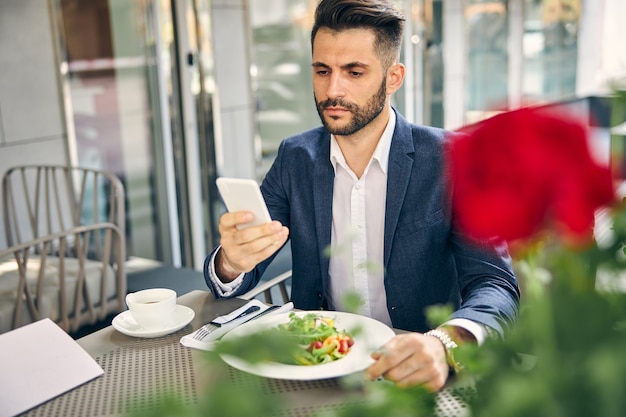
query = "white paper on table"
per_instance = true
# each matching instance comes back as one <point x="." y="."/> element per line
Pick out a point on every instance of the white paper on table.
<point x="208" y="342"/>
<point x="38" y="362"/>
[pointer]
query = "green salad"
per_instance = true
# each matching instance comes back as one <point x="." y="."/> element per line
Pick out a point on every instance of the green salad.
<point x="318" y="339"/>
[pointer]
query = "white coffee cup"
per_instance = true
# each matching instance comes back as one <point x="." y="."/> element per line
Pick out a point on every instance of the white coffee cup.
<point x="153" y="308"/>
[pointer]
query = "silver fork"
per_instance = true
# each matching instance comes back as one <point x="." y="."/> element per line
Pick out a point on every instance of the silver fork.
<point x="204" y="331"/>
<point x="210" y="327"/>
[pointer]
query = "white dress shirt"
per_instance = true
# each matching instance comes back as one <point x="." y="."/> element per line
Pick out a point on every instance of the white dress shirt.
<point x="358" y="229"/>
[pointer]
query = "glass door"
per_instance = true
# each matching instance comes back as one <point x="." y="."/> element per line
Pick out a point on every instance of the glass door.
<point x="108" y="80"/>
<point x="195" y="157"/>
<point x="130" y="70"/>
<point x="203" y="90"/>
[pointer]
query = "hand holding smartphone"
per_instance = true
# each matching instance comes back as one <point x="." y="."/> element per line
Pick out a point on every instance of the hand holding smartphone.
<point x="244" y="195"/>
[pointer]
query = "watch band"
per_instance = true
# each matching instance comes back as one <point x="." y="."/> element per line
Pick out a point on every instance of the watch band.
<point x="449" y="346"/>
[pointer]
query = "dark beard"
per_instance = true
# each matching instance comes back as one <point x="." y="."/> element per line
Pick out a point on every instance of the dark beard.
<point x="362" y="116"/>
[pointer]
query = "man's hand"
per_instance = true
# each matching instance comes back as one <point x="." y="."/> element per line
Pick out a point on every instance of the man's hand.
<point x="411" y="359"/>
<point x="243" y="249"/>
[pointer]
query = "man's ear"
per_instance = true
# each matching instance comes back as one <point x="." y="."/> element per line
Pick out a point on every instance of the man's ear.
<point x="395" y="77"/>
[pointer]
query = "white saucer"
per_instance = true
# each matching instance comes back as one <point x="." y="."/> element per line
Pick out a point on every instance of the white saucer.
<point x="125" y="323"/>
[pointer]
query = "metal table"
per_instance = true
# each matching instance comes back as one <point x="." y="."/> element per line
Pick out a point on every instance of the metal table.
<point x="137" y="369"/>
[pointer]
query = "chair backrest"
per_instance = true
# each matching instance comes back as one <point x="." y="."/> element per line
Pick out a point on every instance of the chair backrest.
<point x="65" y="230"/>
<point x="39" y="200"/>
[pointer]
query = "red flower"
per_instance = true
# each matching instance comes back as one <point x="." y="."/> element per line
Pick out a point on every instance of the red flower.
<point x="521" y="171"/>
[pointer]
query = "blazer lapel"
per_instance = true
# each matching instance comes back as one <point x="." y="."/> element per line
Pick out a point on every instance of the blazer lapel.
<point x="323" y="180"/>
<point x="401" y="160"/>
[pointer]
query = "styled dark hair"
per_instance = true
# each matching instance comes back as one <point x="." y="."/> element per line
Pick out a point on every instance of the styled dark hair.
<point x="378" y="15"/>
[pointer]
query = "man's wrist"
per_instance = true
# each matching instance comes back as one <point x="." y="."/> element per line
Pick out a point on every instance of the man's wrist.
<point x="223" y="270"/>
<point x="464" y="330"/>
<point x="449" y="346"/>
<point x="458" y="334"/>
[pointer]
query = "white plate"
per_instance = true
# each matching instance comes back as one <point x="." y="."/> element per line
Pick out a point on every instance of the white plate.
<point x="373" y="334"/>
<point x="125" y="323"/>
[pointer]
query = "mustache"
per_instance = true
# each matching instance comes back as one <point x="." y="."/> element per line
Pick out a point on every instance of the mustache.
<point x="335" y="102"/>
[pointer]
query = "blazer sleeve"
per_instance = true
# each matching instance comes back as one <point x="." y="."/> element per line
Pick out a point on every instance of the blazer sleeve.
<point x="488" y="287"/>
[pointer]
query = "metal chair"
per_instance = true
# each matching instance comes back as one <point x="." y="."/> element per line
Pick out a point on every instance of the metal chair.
<point x="65" y="230"/>
<point x="266" y="287"/>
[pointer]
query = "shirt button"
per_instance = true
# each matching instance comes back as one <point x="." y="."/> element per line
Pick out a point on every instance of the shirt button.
<point x="319" y="295"/>
<point x="358" y="187"/>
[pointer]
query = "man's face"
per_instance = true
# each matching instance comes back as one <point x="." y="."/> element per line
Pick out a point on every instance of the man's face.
<point x="348" y="80"/>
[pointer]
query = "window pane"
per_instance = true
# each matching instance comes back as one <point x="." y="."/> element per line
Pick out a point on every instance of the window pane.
<point x="550" y="49"/>
<point x="281" y="71"/>
<point x="487" y="60"/>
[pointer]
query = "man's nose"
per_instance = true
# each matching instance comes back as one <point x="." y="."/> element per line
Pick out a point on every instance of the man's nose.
<point x="335" y="86"/>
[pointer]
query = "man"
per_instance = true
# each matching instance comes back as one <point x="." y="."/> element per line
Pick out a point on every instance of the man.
<point x="371" y="186"/>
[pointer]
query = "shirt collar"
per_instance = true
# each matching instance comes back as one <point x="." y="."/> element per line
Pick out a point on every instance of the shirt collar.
<point x="381" y="153"/>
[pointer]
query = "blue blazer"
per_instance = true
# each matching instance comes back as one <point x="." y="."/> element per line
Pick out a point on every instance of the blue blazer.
<point x="426" y="260"/>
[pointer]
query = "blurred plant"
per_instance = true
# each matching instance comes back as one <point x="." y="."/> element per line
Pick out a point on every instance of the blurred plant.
<point x="528" y="177"/>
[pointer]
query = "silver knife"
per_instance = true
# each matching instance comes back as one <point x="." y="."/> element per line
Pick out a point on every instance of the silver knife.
<point x="210" y="327"/>
<point x="249" y="310"/>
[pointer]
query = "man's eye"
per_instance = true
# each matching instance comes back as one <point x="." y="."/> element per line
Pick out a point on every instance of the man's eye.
<point x="356" y="73"/>
<point x="322" y="72"/>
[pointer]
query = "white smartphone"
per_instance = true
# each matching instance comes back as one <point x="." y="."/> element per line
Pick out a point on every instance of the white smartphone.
<point x="244" y="195"/>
